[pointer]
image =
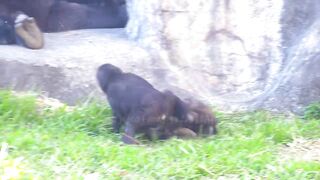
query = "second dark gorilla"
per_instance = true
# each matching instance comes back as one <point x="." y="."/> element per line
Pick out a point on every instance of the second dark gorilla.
<point x="56" y="16"/>
<point x="60" y="15"/>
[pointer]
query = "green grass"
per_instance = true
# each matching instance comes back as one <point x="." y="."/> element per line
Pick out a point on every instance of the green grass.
<point x="312" y="111"/>
<point x="53" y="144"/>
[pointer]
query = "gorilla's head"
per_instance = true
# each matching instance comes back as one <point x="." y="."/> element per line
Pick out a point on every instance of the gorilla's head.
<point x="106" y="73"/>
<point x="7" y="35"/>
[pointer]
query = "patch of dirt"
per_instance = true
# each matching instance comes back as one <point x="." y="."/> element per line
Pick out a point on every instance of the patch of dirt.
<point x="301" y="150"/>
<point x="43" y="102"/>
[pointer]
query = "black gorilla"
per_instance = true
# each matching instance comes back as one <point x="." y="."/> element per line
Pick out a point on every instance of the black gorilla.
<point x="56" y="16"/>
<point x="136" y="103"/>
<point x="62" y="15"/>
<point x="200" y="121"/>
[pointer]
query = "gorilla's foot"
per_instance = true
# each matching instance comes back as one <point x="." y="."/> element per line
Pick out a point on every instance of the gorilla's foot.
<point x="184" y="133"/>
<point x="20" y="18"/>
<point x="30" y="20"/>
<point x="28" y="32"/>
<point x="129" y="140"/>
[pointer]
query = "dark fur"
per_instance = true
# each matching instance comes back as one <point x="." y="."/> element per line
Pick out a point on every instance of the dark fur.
<point x="169" y="130"/>
<point x="66" y="16"/>
<point x="200" y="118"/>
<point x="55" y="15"/>
<point x="136" y="103"/>
<point x="97" y="2"/>
<point x="7" y="35"/>
<point x="199" y="121"/>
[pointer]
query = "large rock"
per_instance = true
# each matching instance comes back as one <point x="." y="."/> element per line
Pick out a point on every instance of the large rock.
<point x="239" y="55"/>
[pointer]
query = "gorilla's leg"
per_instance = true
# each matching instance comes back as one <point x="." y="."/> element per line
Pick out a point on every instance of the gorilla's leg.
<point x="116" y="124"/>
<point x="28" y="32"/>
<point x="129" y="132"/>
<point x="208" y="130"/>
<point x="155" y="133"/>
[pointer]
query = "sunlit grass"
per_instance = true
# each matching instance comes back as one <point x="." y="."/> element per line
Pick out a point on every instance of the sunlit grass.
<point x="78" y="144"/>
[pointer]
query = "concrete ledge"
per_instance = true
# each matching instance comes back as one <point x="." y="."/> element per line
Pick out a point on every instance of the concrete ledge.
<point x="65" y="69"/>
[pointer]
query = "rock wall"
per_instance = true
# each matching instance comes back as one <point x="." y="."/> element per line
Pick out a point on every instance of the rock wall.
<point x="235" y="54"/>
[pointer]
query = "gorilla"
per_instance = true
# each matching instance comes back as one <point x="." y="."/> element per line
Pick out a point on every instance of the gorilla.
<point x="136" y="103"/>
<point x="199" y="121"/>
<point x="62" y="15"/>
<point x="56" y="16"/>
